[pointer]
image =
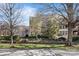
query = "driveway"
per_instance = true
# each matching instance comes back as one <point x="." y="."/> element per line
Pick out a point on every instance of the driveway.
<point x="37" y="52"/>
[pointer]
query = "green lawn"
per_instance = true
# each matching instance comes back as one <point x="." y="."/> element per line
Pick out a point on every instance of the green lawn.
<point x="36" y="46"/>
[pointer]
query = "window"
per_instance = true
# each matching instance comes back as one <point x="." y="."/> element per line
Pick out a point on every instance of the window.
<point x="61" y="33"/>
<point x="62" y="27"/>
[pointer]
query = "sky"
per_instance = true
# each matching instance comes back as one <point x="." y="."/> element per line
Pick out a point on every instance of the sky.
<point x="29" y="10"/>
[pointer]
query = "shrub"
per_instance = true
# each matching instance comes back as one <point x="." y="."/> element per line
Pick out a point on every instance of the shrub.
<point x="4" y="37"/>
<point x="8" y="38"/>
<point x="41" y="36"/>
<point x="75" y="39"/>
<point x="62" y="39"/>
<point x="32" y="37"/>
<point x="17" y="39"/>
<point x="26" y="35"/>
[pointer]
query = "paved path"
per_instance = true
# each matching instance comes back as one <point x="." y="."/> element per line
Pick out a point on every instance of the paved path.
<point x="36" y="52"/>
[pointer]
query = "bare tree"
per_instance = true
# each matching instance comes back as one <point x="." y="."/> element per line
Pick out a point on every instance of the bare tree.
<point x="11" y="16"/>
<point x="69" y="12"/>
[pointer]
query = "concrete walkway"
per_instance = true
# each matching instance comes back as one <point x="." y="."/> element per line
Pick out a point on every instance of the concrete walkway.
<point x="37" y="52"/>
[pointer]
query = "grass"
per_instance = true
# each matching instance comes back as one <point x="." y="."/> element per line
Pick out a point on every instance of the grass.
<point x="38" y="46"/>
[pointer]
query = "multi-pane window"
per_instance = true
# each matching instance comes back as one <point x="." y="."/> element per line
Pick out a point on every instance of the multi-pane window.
<point x="63" y="33"/>
<point x="62" y="27"/>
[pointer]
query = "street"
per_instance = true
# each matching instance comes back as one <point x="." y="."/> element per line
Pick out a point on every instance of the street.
<point x="37" y="52"/>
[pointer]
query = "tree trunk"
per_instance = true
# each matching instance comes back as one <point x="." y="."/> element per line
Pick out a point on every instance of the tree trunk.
<point x="36" y="36"/>
<point x="11" y="40"/>
<point x="11" y="36"/>
<point x="70" y="33"/>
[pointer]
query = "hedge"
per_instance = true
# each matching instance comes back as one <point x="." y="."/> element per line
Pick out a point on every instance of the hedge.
<point x="39" y="36"/>
<point x="8" y="37"/>
<point x="75" y="39"/>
